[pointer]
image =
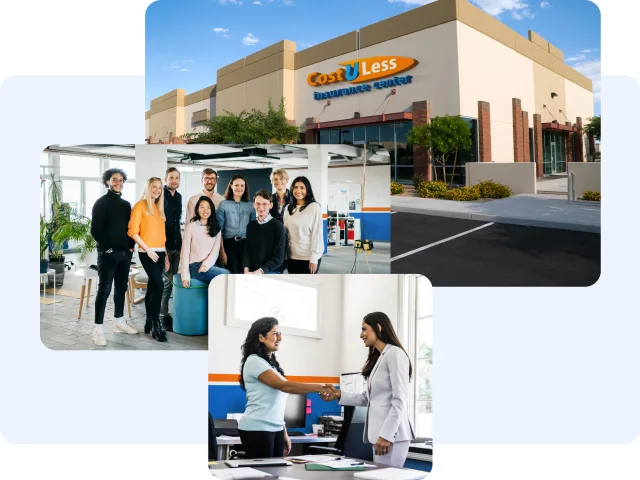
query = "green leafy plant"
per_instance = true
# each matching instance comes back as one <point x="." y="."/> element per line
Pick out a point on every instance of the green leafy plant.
<point x="444" y="136"/>
<point x="396" y="188"/>
<point x="592" y="129"/>
<point x="248" y="127"/>
<point x="591" y="196"/>
<point x="432" y="189"/>
<point x="44" y="237"/>
<point x="491" y="189"/>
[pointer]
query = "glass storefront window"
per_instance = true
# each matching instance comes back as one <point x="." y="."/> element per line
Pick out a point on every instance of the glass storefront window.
<point x="359" y="135"/>
<point x="373" y="134"/>
<point x="347" y="135"/>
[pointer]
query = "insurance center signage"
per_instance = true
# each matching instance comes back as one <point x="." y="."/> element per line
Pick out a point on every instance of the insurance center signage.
<point x="360" y="71"/>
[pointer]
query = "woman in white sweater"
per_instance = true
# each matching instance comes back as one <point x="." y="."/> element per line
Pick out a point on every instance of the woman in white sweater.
<point x="303" y="222"/>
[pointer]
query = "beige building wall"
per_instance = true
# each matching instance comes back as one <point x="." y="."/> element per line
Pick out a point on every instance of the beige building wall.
<point x="435" y="78"/>
<point x="519" y="177"/>
<point x="189" y="126"/>
<point x="547" y="82"/>
<point x="587" y="176"/>
<point x="167" y="122"/>
<point x="147" y="121"/>
<point x="579" y="102"/>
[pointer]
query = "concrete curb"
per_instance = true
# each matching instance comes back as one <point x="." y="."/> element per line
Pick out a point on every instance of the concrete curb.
<point x="483" y="217"/>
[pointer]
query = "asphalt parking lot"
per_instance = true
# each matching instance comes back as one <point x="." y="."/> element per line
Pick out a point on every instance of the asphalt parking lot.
<point x="453" y="252"/>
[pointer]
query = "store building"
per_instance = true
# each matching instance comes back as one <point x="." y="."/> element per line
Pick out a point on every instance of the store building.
<point x="522" y="102"/>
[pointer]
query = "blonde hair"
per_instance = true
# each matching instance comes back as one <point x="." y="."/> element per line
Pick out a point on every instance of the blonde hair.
<point x="281" y="172"/>
<point x="146" y="196"/>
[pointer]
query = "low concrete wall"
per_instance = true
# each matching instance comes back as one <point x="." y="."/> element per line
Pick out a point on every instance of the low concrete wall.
<point x="519" y="177"/>
<point x="586" y="176"/>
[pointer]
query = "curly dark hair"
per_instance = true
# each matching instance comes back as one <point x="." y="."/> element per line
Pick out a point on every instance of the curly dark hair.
<point x="212" y="225"/>
<point x="106" y="176"/>
<point x="253" y="346"/>
<point x="308" y="199"/>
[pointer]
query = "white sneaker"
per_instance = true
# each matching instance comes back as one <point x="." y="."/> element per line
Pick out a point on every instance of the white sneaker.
<point x="122" y="327"/>
<point x="98" y="338"/>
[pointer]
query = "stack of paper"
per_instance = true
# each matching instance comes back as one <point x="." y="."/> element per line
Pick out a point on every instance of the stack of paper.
<point x="346" y="463"/>
<point x="392" y="474"/>
<point x="239" y="474"/>
<point x="312" y="458"/>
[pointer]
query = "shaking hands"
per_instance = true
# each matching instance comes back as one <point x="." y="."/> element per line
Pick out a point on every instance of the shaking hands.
<point x="329" y="393"/>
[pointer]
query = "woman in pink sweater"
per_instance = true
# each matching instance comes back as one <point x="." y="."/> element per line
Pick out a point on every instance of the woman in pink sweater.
<point x="201" y="245"/>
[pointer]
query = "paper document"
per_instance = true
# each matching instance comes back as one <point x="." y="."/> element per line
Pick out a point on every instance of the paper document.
<point x="346" y="463"/>
<point x="313" y="458"/>
<point x="239" y="474"/>
<point x="227" y="437"/>
<point x="392" y="474"/>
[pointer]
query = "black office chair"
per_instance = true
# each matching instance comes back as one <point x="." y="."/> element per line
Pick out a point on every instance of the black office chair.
<point x="213" y="443"/>
<point x="349" y="442"/>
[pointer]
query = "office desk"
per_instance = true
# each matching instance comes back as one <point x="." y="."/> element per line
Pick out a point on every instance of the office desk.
<point x="225" y="443"/>
<point x="298" y="471"/>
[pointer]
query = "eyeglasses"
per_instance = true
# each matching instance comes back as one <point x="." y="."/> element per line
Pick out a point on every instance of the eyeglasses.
<point x="210" y="179"/>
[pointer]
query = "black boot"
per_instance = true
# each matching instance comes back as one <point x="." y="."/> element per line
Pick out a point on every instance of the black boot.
<point x="157" y="332"/>
<point x="147" y="326"/>
<point x="167" y="323"/>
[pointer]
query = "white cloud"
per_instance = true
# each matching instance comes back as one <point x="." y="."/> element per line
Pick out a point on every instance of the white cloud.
<point x="184" y="70"/>
<point x="250" y="39"/>
<point x="519" y="9"/>
<point x="225" y="36"/>
<point x="591" y="69"/>
<point x="232" y="2"/>
<point x="544" y="4"/>
<point x="220" y="30"/>
<point x="289" y="2"/>
<point x="173" y="67"/>
<point x="257" y="3"/>
<point x="575" y="58"/>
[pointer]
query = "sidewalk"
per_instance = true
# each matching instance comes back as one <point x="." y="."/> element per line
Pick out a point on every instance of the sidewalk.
<point x="550" y="211"/>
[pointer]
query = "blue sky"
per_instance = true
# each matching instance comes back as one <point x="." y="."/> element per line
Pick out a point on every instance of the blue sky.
<point x="188" y="41"/>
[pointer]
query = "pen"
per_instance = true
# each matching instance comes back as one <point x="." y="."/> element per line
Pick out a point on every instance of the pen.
<point x="359" y="463"/>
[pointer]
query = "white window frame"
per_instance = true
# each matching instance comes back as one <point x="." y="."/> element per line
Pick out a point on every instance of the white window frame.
<point x="232" y="321"/>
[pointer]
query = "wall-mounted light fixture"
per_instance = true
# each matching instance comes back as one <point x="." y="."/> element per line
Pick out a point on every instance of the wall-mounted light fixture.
<point x="554" y="94"/>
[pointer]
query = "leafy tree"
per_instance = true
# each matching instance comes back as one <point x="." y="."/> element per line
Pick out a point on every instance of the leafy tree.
<point x="444" y="136"/>
<point x="251" y="126"/>
<point x="592" y="129"/>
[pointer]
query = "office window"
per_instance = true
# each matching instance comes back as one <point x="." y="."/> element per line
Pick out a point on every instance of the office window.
<point x="73" y="166"/>
<point x="423" y="364"/>
<point x="299" y="315"/>
<point x="93" y="191"/>
<point x="128" y="167"/>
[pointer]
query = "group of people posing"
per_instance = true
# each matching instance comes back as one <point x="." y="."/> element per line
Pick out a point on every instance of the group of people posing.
<point x="235" y="233"/>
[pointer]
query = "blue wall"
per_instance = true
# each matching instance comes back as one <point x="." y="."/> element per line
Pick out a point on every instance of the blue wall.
<point x="374" y="226"/>
<point x="225" y="399"/>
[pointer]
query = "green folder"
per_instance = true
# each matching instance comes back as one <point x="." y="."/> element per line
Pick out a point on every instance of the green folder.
<point x="317" y="467"/>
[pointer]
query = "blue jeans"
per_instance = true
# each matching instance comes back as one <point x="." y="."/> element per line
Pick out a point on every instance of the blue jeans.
<point x="207" y="276"/>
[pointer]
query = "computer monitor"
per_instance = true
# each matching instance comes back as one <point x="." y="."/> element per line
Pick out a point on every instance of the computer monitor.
<point x="295" y="411"/>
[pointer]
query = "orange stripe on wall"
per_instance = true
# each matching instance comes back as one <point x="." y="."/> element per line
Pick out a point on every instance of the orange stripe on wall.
<point x="324" y="216"/>
<point x="233" y="377"/>
<point x="376" y="209"/>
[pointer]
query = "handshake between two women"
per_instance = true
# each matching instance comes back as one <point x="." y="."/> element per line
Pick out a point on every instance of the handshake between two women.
<point x="329" y="392"/>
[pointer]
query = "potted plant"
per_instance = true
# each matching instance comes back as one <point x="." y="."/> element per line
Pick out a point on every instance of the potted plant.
<point x="44" y="244"/>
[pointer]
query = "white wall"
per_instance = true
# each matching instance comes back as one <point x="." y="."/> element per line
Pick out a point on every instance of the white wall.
<point x="151" y="161"/>
<point x="347" y="299"/>
<point x="435" y="78"/>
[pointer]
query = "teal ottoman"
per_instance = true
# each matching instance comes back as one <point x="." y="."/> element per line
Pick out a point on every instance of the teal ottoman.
<point x="190" y="307"/>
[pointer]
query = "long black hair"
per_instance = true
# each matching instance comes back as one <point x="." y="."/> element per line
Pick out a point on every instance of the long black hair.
<point x="308" y="199"/>
<point x="212" y="225"/>
<point x="253" y="346"/>
<point x="387" y="334"/>
<point x="228" y="195"/>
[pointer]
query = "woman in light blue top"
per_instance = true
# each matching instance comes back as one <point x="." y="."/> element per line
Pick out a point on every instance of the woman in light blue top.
<point x="262" y="429"/>
<point x="234" y="214"/>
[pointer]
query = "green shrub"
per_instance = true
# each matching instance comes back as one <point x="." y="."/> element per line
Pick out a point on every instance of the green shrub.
<point x="396" y="188"/>
<point x="591" y="196"/>
<point x="463" y="194"/>
<point x="432" y="189"/>
<point x="491" y="189"/>
<point x="418" y="179"/>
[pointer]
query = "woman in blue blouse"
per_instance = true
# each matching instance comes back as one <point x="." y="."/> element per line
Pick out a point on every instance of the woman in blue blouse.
<point x="234" y="214"/>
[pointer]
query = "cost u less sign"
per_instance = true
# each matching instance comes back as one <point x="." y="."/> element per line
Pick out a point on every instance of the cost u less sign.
<point x="360" y="71"/>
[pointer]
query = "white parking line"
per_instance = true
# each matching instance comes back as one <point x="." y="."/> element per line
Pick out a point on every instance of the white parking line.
<point x="411" y="252"/>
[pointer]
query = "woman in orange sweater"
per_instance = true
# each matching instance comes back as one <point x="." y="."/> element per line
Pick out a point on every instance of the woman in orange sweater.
<point x="146" y="227"/>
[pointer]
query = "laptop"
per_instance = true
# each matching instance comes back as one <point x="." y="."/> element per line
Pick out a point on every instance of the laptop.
<point x="259" y="462"/>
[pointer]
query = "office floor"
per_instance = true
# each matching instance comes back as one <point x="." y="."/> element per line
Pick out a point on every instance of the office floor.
<point x="63" y="331"/>
<point x="341" y="260"/>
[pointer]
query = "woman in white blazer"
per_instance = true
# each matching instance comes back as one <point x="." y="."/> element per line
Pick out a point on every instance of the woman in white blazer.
<point x="388" y="372"/>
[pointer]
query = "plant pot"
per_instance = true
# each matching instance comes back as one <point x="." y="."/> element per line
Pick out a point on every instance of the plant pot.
<point x="59" y="268"/>
<point x="44" y="266"/>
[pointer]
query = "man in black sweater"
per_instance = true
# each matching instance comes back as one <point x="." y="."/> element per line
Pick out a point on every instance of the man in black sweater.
<point x="109" y="225"/>
<point x="265" y="243"/>
<point x="173" y="212"/>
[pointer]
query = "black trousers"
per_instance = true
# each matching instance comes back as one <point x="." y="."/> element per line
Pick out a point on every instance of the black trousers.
<point x="262" y="444"/>
<point x="235" y="251"/>
<point x="112" y="268"/>
<point x="155" y="285"/>
<point x="300" y="266"/>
